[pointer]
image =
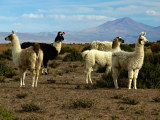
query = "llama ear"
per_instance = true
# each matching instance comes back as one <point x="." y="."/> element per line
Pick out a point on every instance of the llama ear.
<point x="13" y="32"/>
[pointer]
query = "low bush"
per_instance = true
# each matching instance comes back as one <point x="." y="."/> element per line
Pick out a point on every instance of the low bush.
<point x="131" y="101"/>
<point x="126" y="47"/>
<point x="73" y="56"/>
<point x="30" y="107"/>
<point x="82" y="103"/>
<point x="156" y="99"/>
<point x="5" y="114"/>
<point x="88" y="47"/>
<point x="21" y="95"/>
<point x="6" y="54"/>
<point x="155" y="47"/>
<point x="5" y="70"/>
<point x="66" y="50"/>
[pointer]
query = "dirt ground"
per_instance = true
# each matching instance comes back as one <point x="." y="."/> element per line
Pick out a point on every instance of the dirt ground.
<point x="57" y="90"/>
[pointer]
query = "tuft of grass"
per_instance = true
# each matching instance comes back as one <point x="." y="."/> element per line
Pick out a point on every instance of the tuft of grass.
<point x="115" y="117"/>
<point x="51" y="81"/>
<point x="155" y="112"/>
<point x="130" y="101"/>
<point x="21" y="95"/>
<point x="82" y="103"/>
<point x="156" y="99"/>
<point x="140" y="112"/>
<point x="2" y="79"/>
<point x="118" y="96"/>
<point x="5" y="114"/>
<point x="30" y="107"/>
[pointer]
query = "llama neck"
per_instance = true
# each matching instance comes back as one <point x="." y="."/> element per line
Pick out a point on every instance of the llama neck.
<point x="116" y="49"/>
<point x="139" y="50"/>
<point x="57" y="45"/>
<point x="16" y="49"/>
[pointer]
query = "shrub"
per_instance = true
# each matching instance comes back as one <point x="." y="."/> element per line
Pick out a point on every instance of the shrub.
<point x="130" y="101"/>
<point x="126" y="47"/>
<point x="118" y="96"/>
<point x="30" y="107"/>
<point x="7" y="54"/>
<point x="155" y="47"/>
<point x="149" y="75"/>
<point x="66" y="50"/>
<point x="88" y="47"/>
<point x="5" y="70"/>
<point x="156" y="99"/>
<point x="6" y="115"/>
<point x="105" y="81"/>
<point x="21" y="95"/>
<point x="73" y="56"/>
<point x="82" y="103"/>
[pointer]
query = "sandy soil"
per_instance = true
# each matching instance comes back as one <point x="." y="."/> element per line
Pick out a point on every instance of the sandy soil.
<point x="56" y="99"/>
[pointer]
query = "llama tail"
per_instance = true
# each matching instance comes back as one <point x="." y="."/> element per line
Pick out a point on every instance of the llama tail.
<point x="85" y="53"/>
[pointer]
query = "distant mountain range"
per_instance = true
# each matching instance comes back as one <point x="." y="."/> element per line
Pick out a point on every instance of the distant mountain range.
<point x="126" y="28"/>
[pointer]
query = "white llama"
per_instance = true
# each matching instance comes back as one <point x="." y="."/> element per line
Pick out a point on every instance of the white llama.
<point x="130" y="61"/>
<point x="101" y="45"/>
<point x="30" y="58"/>
<point x="102" y="58"/>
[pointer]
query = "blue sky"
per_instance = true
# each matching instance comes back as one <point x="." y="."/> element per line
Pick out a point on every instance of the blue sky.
<point x="55" y="15"/>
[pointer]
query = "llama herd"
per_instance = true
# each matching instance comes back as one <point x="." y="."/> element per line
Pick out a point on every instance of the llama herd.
<point x="107" y="54"/>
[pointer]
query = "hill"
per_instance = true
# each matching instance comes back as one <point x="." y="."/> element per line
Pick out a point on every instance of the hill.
<point x="126" y="27"/>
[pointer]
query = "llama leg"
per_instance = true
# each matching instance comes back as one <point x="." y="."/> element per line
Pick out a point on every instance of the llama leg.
<point x="130" y="76"/>
<point x="23" y="78"/>
<point x="135" y="78"/>
<point x="37" y="75"/>
<point x="108" y="69"/>
<point x="115" y="76"/>
<point x="87" y="73"/>
<point x="33" y="77"/>
<point x="89" y="76"/>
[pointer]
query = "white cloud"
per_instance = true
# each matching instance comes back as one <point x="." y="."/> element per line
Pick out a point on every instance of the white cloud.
<point x="31" y="15"/>
<point x="7" y="18"/>
<point x="81" y="17"/>
<point x="152" y="12"/>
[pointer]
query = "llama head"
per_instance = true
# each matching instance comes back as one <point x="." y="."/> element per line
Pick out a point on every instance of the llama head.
<point x="11" y="36"/>
<point x="142" y="39"/>
<point x="116" y="42"/>
<point x="59" y="37"/>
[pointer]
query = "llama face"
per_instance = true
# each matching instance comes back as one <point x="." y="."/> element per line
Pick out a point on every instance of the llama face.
<point x="142" y="39"/>
<point x="116" y="42"/>
<point x="10" y="37"/>
<point x="59" y="37"/>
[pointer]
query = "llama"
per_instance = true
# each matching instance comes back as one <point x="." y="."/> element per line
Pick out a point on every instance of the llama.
<point x="103" y="46"/>
<point x="130" y="61"/>
<point x="102" y="58"/>
<point x="50" y="51"/>
<point x="30" y="58"/>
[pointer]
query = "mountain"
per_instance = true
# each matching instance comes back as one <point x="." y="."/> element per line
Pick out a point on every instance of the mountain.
<point x="126" y="28"/>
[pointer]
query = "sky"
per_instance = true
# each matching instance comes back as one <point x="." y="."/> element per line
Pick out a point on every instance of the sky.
<point x="71" y="15"/>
